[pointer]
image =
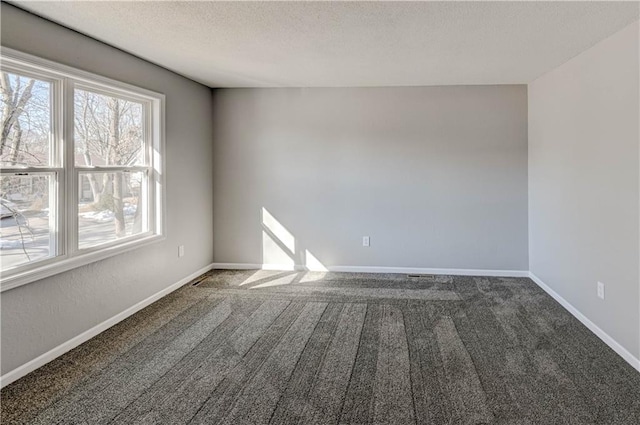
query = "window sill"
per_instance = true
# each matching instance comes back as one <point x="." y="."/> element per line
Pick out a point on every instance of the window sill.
<point x="63" y="264"/>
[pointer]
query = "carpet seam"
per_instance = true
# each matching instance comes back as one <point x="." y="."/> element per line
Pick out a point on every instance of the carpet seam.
<point x="413" y="401"/>
<point x="178" y="362"/>
<point x="252" y="345"/>
<point x="87" y="379"/>
<point x="293" y="369"/>
<point x="353" y="366"/>
<point x="324" y="355"/>
<point x="257" y="368"/>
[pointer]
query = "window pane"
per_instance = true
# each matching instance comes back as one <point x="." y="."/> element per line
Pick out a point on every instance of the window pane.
<point x="108" y="130"/>
<point x="27" y="224"/>
<point x="111" y="206"/>
<point x="25" y="118"/>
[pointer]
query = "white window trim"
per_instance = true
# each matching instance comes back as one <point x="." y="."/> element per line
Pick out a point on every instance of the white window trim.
<point x="68" y="257"/>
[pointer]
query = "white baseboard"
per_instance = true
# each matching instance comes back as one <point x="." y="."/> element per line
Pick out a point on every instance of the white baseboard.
<point x="372" y="269"/>
<point x="615" y="346"/>
<point x="421" y="270"/>
<point x="52" y="354"/>
<point x="241" y="266"/>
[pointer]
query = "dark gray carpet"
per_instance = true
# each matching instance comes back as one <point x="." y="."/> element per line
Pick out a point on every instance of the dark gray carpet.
<point x="257" y="347"/>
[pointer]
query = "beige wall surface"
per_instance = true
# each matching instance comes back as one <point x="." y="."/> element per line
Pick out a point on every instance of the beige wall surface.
<point x="435" y="176"/>
<point x="583" y="183"/>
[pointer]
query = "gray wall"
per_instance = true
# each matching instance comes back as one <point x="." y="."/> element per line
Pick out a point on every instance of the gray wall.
<point x="583" y="183"/>
<point x="436" y="176"/>
<point x="41" y="315"/>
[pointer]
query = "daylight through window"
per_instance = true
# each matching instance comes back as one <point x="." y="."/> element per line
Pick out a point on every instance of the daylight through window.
<point x="81" y="177"/>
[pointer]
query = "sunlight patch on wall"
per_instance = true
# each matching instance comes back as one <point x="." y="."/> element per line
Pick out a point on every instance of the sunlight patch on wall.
<point x="312" y="263"/>
<point x="274" y="257"/>
<point x="279" y="249"/>
<point x="278" y="230"/>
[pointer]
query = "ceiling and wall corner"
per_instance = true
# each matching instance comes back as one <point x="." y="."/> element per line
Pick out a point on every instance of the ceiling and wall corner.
<point x="347" y="44"/>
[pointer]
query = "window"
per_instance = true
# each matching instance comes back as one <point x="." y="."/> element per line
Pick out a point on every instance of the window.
<point x="81" y="168"/>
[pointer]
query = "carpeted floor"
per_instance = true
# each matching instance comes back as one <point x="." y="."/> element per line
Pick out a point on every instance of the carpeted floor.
<point x="254" y="347"/>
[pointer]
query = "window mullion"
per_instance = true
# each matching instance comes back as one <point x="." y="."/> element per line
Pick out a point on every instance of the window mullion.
<point x="150" y="194"/>
<point x="70" y="190"/>
<point x="56" y="185"/>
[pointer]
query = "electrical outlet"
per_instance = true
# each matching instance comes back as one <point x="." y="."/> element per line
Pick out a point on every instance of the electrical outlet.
<point x="181" y="251"/>
<point x="365" y="241"/>
<point x="600" y="290"/>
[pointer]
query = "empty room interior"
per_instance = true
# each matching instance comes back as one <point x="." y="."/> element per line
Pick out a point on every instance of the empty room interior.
<point x="320" y="212"/>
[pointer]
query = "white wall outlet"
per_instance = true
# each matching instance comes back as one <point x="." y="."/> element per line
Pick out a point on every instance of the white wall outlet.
<point x="600" y="290"/>
<point x="365" y="241"/>
<point x="180" y="250"/>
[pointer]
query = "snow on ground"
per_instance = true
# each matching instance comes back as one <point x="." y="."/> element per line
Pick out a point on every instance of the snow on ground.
<point x="101" y="216"/>
<point x="14" y="244"/>
<point x="107" y="215"/>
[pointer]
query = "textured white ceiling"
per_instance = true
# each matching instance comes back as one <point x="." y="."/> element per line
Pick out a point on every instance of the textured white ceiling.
<point x="306" y="44"/>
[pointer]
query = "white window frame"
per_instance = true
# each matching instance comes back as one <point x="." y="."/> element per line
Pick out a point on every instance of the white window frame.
<point x="64" y="199"/>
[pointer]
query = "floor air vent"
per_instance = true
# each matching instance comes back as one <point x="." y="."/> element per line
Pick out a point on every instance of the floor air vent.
<point x="199" y="280"/>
